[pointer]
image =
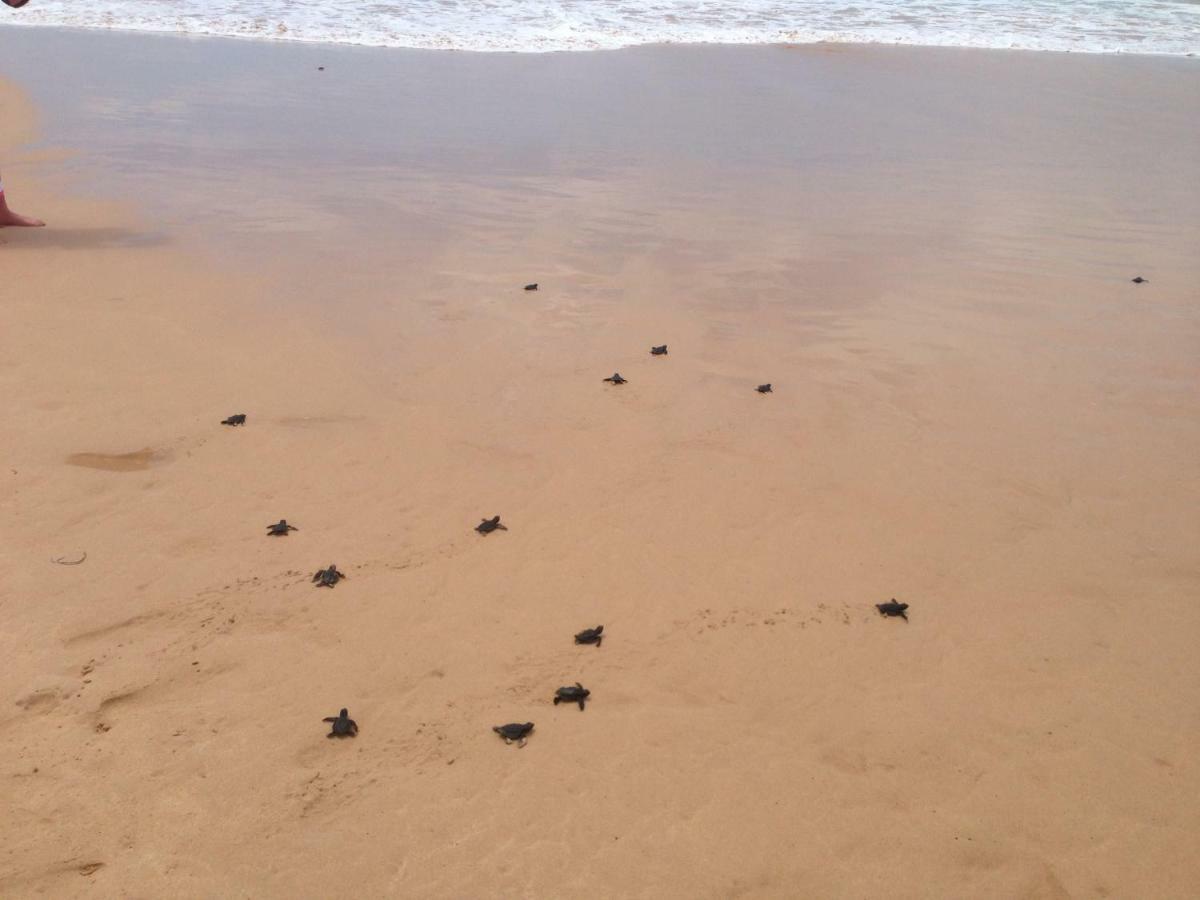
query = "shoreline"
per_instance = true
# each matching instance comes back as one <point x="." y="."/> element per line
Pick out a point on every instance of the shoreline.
<point x="824" y="44"/>
<point x="975" y="411"/>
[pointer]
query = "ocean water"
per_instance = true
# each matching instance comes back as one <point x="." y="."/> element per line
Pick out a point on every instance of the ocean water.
<point x="1088" y="26"/>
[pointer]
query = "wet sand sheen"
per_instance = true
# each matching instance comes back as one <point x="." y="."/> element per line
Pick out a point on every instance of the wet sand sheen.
<point x="973" y="411"/>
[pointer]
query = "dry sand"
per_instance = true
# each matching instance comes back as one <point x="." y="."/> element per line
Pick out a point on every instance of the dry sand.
<point x="974" y="412"/>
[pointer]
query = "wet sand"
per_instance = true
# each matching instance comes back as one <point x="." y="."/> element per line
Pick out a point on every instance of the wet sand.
<point x="927" y="253"/>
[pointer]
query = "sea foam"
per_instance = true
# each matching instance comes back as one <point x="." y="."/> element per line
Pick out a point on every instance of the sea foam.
<point x="1091" y="26"/>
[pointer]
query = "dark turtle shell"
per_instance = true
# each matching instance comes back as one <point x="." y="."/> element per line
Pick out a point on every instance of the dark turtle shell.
<point x="487" y="526"/>
<point x="575" y="693"/>
<point x="328" y="577"/>
<point x="341" y="725"/>
<point x="514" y="731"/>
<point x="892" y="608"/>
<point x="590" y="636"/>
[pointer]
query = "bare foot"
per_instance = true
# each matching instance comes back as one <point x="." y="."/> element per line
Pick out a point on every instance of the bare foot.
<point x="8" y="217"/>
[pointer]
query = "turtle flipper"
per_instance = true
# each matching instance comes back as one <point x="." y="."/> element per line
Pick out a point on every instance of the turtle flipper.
<point x="556" y="700"/>
<point x="329" y="719"/>
<point x="499" y="729"/>
<point x="599" y="640"/>
<point x="581" y="704"/>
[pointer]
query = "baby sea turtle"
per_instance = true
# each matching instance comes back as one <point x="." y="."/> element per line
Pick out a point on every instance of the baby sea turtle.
<point x="531" y="287"/>
<point x="616" y="378"/>
<point x="514" y="731"/>
<point x="590" y="636"/>
<point x="487" y="526"/>
<point x="576" y="693"/>
<point x="328" y="577"/>
<point x="281" y="528"/>
<point x="764" y="388"/>
<point x="892" y="608"/>
<point x="343" y="725"/>
<point x="239" y="419"/>
<point x="1140" y="280"/>
<point x="659" y="351"/>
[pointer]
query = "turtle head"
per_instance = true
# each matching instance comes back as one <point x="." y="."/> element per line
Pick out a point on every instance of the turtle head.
<point x="599" y="629"/>
<point x="344" y="714"/>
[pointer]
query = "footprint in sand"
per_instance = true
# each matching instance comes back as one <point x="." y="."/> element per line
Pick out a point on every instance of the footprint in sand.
<point x="706" y="620"/>
<point x="40" y="701"/>
<point x="317" y="421"/>
<point x="136" y="461"/>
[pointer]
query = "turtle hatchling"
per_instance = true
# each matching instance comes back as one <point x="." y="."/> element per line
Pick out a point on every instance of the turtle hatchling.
<point x="1139" y="280"/>
<point x="590" y="636"/>
<point x="576" y="693"/>
<point x="341" y="725"/>
<point x="328" y="577"/>
<point x="763" y="388"/>
<point x="892" y="608"/>
<point x="487" y="526"/>
<point x="659" y="351"/>
<point x="531" y="287"/>
<point x="616" y="378"/>
<point x="239" y="419"/>
<point x="514" y="731"/>
<point x="281" y="528"/>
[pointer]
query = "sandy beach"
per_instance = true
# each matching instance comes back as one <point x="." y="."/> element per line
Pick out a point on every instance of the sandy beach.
<point x="928" y="253"/>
